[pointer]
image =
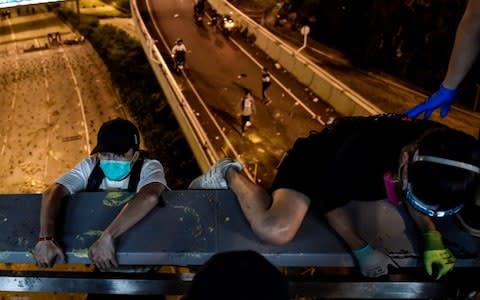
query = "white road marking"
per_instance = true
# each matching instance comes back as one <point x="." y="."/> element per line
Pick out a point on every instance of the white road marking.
<point x="80" y="99"/>
<point x="219" y="128"/>
<point x="287" y="90"/>
<point x="14" y="95"/>
<point x="47" y="100"/>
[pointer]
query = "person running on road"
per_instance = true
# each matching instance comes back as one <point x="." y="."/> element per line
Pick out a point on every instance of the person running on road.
<point x="436" y="170"/>
<point x="199" y="7"/>
<point x="248" y="109"/>
<point x="214" y="19"/>
<point x="266" y="82"/>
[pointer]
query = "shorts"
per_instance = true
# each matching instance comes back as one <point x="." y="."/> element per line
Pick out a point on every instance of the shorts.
<point x="304" y="169"/>
<point x="245" y="120"/>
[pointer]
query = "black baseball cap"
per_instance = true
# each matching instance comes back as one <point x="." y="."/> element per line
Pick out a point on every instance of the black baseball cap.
<point x="117" y="136"/>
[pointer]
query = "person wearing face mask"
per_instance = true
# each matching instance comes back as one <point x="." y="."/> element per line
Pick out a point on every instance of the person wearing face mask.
<point x="434" y="168"/>
<point x="116" y="163"/>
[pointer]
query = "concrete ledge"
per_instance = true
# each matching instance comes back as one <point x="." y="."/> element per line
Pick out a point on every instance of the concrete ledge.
<point x="195" y="224"/>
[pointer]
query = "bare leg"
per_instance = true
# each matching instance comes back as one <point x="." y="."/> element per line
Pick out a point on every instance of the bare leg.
<point x="275" y="219"/>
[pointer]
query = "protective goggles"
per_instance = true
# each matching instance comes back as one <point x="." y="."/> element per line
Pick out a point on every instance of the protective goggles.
<point x="432" y="210"/>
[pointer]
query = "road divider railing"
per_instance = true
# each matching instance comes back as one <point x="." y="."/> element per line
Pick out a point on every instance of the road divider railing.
<point x="343" y="99"/>
<point x="201" y="146"/>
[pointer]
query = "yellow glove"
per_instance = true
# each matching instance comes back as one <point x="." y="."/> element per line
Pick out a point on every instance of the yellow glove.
<point x="436" y="253"/>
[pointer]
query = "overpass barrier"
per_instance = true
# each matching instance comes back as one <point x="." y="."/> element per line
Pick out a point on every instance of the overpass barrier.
<point x="197" y="139"/>
<point x="343" y="99"/>
<point x="193" y="225"/>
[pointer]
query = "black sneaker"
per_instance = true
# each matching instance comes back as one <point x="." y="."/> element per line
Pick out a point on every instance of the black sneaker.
<point x="469" y="217"/>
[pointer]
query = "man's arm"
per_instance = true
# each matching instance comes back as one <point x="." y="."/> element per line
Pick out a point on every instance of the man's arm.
<point x="434" y="252"/>
<point x="102" y="252"/>
<point x="424" y="223"/>
<point x="340" y="221"/>
<point x="51" y="203"/>
<point x="47" y="249"/>
<point x="372" y="263"/>
<point x="465" y="50"/>
<point x="465" y="47"/>
<point x="137" y="208"/>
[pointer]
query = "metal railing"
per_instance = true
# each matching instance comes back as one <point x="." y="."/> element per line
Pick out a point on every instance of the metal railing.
<point x="195" y="225"/>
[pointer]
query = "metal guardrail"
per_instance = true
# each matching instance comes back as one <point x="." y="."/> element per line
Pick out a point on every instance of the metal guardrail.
<point x="194" y="225"/>
<point x="341" y="97"/>
<point x="173" y="284"/>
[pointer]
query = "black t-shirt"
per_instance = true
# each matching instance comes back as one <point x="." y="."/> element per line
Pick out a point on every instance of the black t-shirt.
<point x="347" y="160"/>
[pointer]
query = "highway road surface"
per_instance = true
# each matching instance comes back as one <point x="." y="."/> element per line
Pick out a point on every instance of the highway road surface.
<point x="218" y="69"/>
<point x="53" y="102"/>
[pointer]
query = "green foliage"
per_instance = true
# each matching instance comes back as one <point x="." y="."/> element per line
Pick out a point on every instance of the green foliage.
<point x="106" y="8"/>
<point x="256" y="3"/>
<point x="67" y="15"/>
<point x="91" y="3"/>
<point x="123" y="5"/>
<point x="87" y="25"/>
<point x="141" y="93"/>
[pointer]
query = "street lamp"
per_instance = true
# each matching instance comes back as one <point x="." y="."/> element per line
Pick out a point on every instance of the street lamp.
<point x="305" y="30"/>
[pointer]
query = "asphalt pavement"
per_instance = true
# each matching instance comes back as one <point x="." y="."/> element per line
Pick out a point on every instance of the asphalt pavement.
<point x="218" y="69"/>
<point x="54" y="98"/>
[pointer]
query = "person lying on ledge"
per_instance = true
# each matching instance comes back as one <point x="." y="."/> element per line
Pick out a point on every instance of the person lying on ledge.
<point x="433" y="167"/>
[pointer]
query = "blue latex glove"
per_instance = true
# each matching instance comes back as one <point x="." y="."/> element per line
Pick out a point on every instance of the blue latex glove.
<point x="443" y="99"/>
<point x="435" y="253"/>
<point x="373" y="263"/>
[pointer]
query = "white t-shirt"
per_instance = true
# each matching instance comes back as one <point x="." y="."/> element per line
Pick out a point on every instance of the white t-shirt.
<point x="76" y="179"/>
<point x="248" y="106"/>
<point x="266" y="77"/>
<point x="178" y="48"/>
